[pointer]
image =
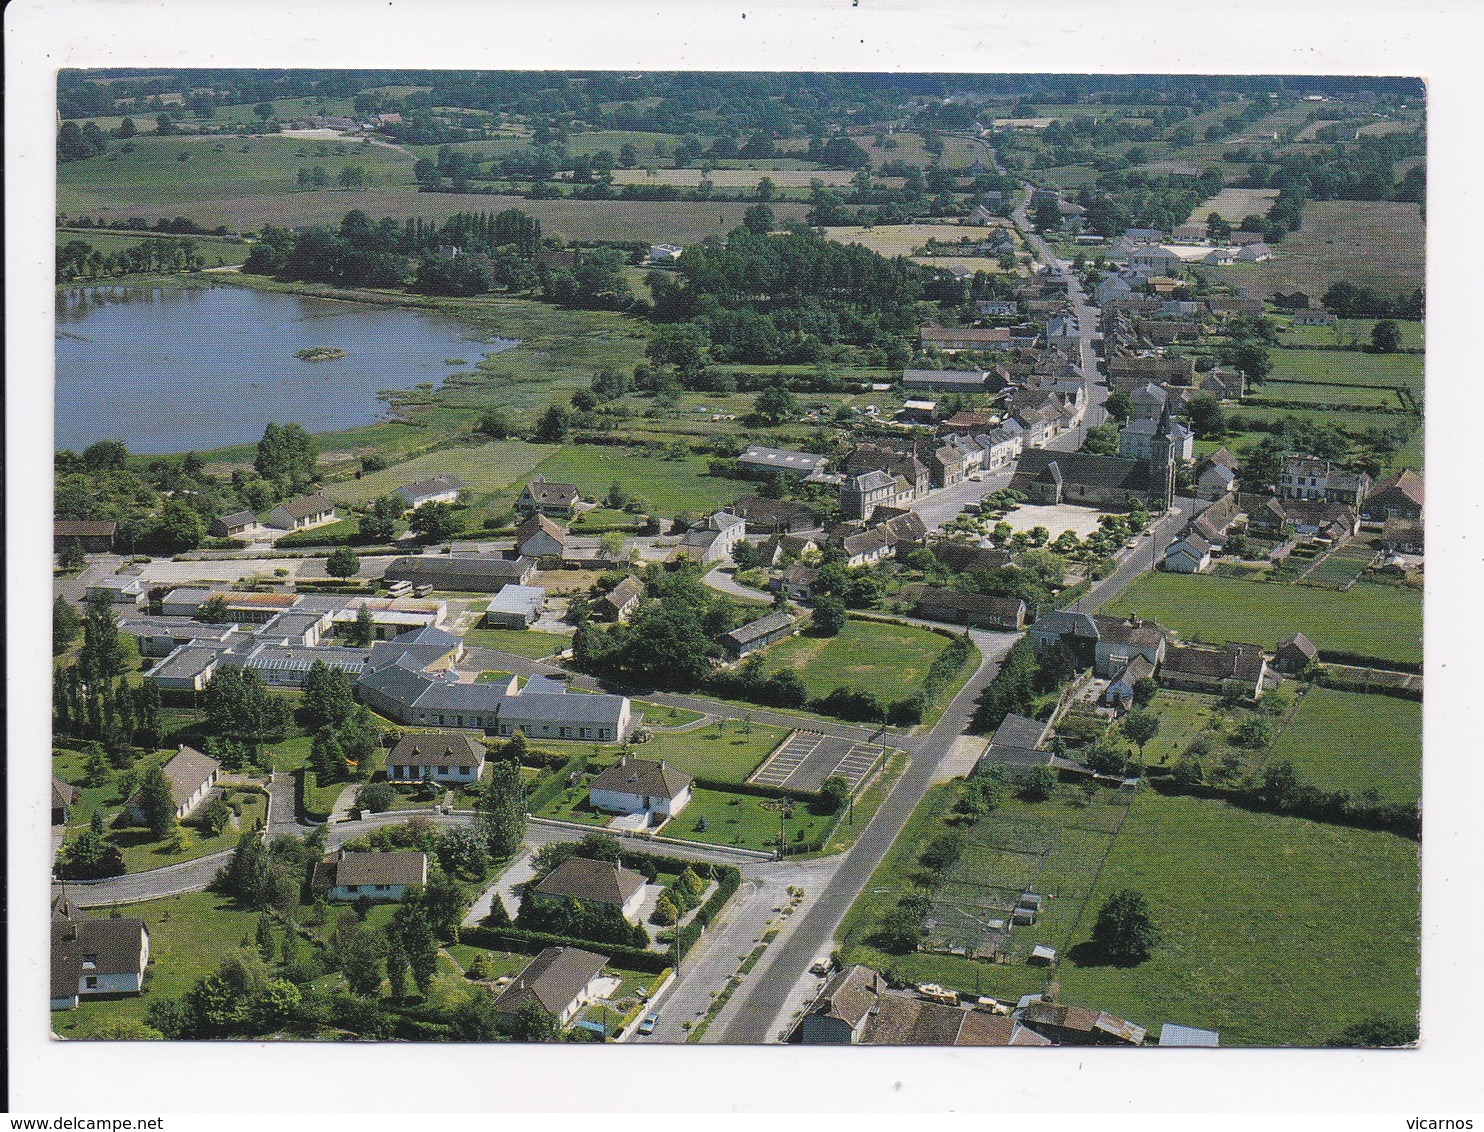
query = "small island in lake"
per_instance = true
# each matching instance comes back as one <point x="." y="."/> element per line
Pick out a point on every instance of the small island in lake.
<point x="320" y="354"/>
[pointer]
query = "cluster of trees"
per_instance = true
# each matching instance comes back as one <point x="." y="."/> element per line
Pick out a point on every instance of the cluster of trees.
<point x="1125" y="198"/>
<point x="345" y="732"/>
<point x="1022" y="677"/>
<point x="670" y="640"/>
<point x="1350" y="301"/>
<point x="75" y="143"/>
<point x="786" y="298"/>
<point x="77" y="259"/>
<point x="91" y="699"/>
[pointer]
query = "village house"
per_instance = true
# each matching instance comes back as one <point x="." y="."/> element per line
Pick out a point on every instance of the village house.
<point x="664" y="253"/>
<point x="797" y="582"/>
<point x="601" y="883"/>
<point x="966" y="558"/>
<point x="380" y="877"/>
<point x="640" y="786"/>
<point x="539" y="538"/>
<point x="1215" y="480"/>
<point x="64" y="797"/>
<point x="1120" y="639"/>
<point x="190" y="776"/>
<point x="1312" y="478"/>
<point x="1155" y="259"/>
<point x="1016" y="745"/>
<point x="950" y="380"/>
<point x="768" y="462"/>
<point x="1120" y="690"/>
<point x="438" y="756"/>
<point x="1294" y="654"/>
<point x="860" y="495"/>
<point x="1127" y="373"/>
<point x="470" y="573"/>
<point x="1314" y="316"/>
<point x="1136" y="439"/>
<point x="188" y="668"/>
<point x="902" y="530"/>
<point x="774" y="516"/>
<point x="758" y="634"/>
<point x="1242" y="238"/>
<point x="556" y="500"/>
<point x="437" y="489"/>
<point x="621" y="600"/>
<point x="982" y="611"/>
<point x="712" y="541"/>
<point x="867" y="548"/>
<point x="560" y="980"/>
<point x="838" y="1016"/>
<point x="947" y="466"/>
<point x="1272" y="517"/>
<point x="1213" y="523"/>
<point x="901" y="462"/>
<point x="1255" y="253"/>
<point x="950" y="339"/>
<point x="1195" y="668"/>
<point x="95" y="957"/>
<point x="1399" y="496"/>
<point x="230" y="526"/>
<point x="1000" y="445"/>
<point x="997" y="308"/>
<point x="302" y="513"/>
<point x="95" y="536"/>
<point x="1188" y="554"/>
<point x="1189" y="233"/>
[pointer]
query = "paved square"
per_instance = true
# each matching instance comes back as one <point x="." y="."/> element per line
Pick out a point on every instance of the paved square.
<point x="807" y="758"/>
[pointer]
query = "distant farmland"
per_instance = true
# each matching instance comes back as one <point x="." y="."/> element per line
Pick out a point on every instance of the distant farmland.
<point x="1234" y="205"/>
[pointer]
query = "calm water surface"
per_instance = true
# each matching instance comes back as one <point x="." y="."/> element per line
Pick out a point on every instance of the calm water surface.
<point x="180" y="370"/>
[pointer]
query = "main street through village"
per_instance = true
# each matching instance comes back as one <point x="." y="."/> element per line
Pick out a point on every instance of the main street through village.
<point x="802" y="901"/>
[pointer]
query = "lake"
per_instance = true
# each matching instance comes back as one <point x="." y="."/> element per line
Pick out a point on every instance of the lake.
<point x="179" y="370"/>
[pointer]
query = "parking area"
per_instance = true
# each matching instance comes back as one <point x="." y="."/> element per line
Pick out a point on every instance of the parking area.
<point x="807" y="758"/>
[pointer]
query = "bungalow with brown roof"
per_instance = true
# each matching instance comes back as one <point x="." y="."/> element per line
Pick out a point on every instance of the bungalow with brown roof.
<point x="605" y="883"/>
<point x="190" y="775"/>
<point x="758" y="634"/>
<point x="640" y="786"/>
<point x="302" y="513"/>
<point x="95" y="536"/>
<point x="437" y="756"/>
<point x="1294" y="654"/>
<point x="560" y="980"/>
<point x="345" y="875"/>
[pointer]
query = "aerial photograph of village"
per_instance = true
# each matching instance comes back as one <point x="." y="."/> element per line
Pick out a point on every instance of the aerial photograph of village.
<point x="753" y="558"/>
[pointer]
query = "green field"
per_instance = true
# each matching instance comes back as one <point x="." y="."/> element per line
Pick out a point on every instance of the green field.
<point x="726" y="753"/>
<point x="742" y="820"/>
<point x="866" y="656"/>
<point x="663" y="484"/>
<point x="1345" y="367"/>
<point x="1348" y="331"/>
<point x="216" y="252"/>
<point x="485" y="469"/>
<point x="1369" y="620"/>
<point x="521" y="642"/>
<point x="216" y="171"/>
<point x="1355" y="742"/>
<point x="1276" y="931"/>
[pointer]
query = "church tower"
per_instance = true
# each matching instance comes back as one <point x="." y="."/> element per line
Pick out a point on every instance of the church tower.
<point x="1162" y="449"/>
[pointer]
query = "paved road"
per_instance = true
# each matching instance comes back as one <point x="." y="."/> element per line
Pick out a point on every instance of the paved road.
<point x="762" y="998"/>
<point x="1144" y="556"/>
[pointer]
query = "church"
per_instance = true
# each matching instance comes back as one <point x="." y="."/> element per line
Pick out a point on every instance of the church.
<point x="1110" y="483"/>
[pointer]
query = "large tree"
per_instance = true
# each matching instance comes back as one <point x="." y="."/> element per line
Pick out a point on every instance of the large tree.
<point x="436" y="522"/>
<point x="1124" y="931"/>
<point x="501" y="810"/>
<point x="66" y="624"/>
<point x="155" y="801"/>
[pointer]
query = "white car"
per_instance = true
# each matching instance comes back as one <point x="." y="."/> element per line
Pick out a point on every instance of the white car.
<point x="647" y="1026"/>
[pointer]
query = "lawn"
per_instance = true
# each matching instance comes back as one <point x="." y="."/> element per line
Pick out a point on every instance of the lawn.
<point x="1351" y="331"/>
<point x="662" y="715"/>
<point x="1182" y="717"/>
<point x="189" y="936"/>
<point x="663" y="484"/>
<point x="742" y="820"/>
<point x="866" y="656"/>
<point x="142" y="850"/>
<point x="1355" y="742"/>
<point x="1276" y="931"/>
<point x="1370" y="620"/>
<point x="521" y="642"/>
<point x="724" y="752"/>
<point x="485" y="469"/>
<point x="1344" y="367"/>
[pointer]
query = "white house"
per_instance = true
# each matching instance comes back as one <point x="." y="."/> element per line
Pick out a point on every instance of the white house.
<point x="1255" y="253"/>
<point x="438" y="489"/>
<point x="95" y="957"/>
<point x="538" y="537"/>
<point x="377" y="876"/>
<point x="515" y="607"/>
<point x="302" y="513"/>
<point x="560" y="980"/>
<point x="664" y="253"/>
<point x="640" y="786"/>
<point x="1189" y="554"/>
<point x="119" y="590"/>
<point x="435" y="755"/>
<point x="190" y="775"/>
